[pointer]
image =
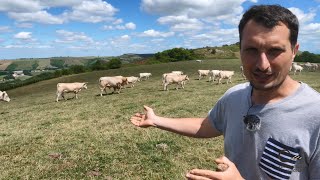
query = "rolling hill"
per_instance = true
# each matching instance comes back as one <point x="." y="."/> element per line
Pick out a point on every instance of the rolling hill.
<point x="92" y="137"/>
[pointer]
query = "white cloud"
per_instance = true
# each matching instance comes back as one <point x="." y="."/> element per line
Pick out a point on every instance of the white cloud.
<point x="125" y="37"/>
<point x="39" y="16"/>
<point x="191" y="8"/>
<point x="24" y="25"/>
<point x="118" y="21"/>
<point x="4" y="29"/>
<point x="19" y="6"/>
<point x="181" y="23"/>
<point x="153" y="33"/>
<point x="92" y="11"/>
<point x="130" y="25"/>
<point x="59" y="3"/>
<point x="71" y="37"/>
<point x="190" y="15"/>
<point x="23" y="35"/>
<point x="303" y="17"/>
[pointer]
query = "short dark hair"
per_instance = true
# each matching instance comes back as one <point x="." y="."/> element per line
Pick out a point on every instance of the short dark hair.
<point x="270" y="16"/>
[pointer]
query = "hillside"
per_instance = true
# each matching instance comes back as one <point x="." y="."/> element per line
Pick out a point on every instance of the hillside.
<point x="224" y="52"/>
<point x="92" y="137"/>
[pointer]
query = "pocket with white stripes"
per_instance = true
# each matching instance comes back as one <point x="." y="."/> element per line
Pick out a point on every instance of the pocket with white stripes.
<point x="278" y="159"/>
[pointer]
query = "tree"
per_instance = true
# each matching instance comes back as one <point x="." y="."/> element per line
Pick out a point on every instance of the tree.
<point x="12" y="67"/>
<point x="76" y="69"/>
<point x="114" y="63"/>
<point x="57" y="63"/>
<point x="27" y="72"/>
<point x="35" y="65"/>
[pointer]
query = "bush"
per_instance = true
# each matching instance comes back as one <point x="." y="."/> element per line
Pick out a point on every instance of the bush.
<point x="114" y="63"/>
<point x="57" y="63"/>
<point x="76" y="69"/>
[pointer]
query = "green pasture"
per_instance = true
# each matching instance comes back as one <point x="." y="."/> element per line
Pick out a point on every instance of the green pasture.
<point x="92" y="137"/>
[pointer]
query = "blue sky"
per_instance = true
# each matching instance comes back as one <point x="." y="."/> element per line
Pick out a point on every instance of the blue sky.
<point x="53" y="28"/>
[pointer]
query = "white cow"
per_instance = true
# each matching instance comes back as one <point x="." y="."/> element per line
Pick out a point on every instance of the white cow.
<point x="115" y="82"/>
<point x="199" y="61"/>
<point x="308" y="66"/>
<point x="225" y="75"/>
<point x="315" y="66"/>
<point x="70" y="88"/>
<point x="145" y="75"/>
<point x="213" y="74"/>
<point x="203" y="73"/>
<point x="175" y="79"/>
<point x="164" y="76"/>
<point x="4" y="96"/>
<point x="296" y="67"/>
<point x="132" y="80"/>
<point x="242" y="72"/>
<point x="177" y="72"/>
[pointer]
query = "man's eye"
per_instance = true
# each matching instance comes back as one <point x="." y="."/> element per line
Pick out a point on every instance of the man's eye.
<point x="251" y="50"/>
<point x="275" y="52"/>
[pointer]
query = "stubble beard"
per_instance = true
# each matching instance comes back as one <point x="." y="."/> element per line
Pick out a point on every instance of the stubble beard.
<point x="273" y="85"/>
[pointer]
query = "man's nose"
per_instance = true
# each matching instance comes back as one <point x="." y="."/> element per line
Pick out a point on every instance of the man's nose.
<point x="262" y="62"/>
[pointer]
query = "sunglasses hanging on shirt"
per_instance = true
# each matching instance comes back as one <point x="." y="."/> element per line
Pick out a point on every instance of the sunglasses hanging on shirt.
<point x="251" y="121"/>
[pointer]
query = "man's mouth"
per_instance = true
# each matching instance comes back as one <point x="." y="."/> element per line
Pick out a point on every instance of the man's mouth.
<point x="262" y="76"/>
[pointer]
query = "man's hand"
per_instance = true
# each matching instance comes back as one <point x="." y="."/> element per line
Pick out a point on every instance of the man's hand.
<point x="231" y="173"/>
<point x="144" y="119"/>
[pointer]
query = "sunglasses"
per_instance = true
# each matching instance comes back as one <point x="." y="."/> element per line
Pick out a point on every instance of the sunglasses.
<point x="252" y="121"/>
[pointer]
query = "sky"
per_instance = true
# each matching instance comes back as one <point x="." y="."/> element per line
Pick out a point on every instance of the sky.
<point x="77" y="28"/>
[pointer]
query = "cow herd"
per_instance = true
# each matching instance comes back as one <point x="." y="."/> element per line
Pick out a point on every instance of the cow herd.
<point x="119" y="82"/>
<point x="174" y="77"/>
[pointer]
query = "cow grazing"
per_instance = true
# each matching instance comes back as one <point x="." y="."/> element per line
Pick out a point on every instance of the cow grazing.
<point x="4" y="96"/>
<point x="70" y="88"/>
<point x="175" y="79"/>
<point x="296" y="67"/>
<point x="164" y="76"/>
<point x="177" y="72"/>
<point x="213" y="75"/>
<point x="225" y="75"/>
<point x="115" y="82"/>
<point x="132" y="80"/>
<point x="199" y="61"/>
<point x="203" y="73"/>
<point x="144" y="76"/>
<point x="242" y="72"/>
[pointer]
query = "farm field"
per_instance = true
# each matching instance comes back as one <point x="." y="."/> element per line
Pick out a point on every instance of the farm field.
<point x="92" y="137"/>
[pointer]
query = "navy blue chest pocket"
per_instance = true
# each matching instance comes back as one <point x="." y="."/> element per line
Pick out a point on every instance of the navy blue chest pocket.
<point x="278" y="160"/>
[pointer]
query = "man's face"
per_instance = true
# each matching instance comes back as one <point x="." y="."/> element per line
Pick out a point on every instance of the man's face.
<point x="266" y="55"/>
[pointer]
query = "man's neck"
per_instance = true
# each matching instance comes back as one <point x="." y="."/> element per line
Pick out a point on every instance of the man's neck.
<point x="288" y="87"/>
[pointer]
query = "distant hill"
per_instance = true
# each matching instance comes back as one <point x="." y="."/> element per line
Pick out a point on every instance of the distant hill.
<point x="223" y="52"/>
<point x="226" y="51"/>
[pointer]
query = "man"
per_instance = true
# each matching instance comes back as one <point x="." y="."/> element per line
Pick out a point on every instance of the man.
<point x="275" y="132"/>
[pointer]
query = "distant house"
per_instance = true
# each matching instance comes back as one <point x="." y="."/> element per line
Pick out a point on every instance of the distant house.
<point x="17" y="74"/>
<point x="50" y="67"/>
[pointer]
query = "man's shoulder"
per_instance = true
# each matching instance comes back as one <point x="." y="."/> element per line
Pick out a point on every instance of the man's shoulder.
<point x="243" y="87"/>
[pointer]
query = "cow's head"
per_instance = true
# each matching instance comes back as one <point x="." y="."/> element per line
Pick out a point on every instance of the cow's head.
<point x="124" y="81"/>
<point x="187" y="78"/>
<point x="84" y="86"/>
<point x="5" y="96"/>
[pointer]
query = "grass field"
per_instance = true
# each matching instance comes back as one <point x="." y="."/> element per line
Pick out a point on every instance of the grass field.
<point x="92" y="137"/>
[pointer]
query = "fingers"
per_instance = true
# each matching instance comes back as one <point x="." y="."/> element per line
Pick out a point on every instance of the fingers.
<point x="223" y="160"/>
<point x="137" y="118"/>
<point x="146" y="108"/>
<point x="202" y="174"/>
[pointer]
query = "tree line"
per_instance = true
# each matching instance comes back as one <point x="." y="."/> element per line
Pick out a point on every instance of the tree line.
<point x="306" y="56"/>
<point x="73" y="69"/>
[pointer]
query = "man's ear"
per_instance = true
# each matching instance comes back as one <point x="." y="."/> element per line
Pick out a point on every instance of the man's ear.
<point x="295" y="50"/>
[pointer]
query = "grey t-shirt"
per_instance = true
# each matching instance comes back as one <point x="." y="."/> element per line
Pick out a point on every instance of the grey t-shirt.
<point x="287" y="143"/>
